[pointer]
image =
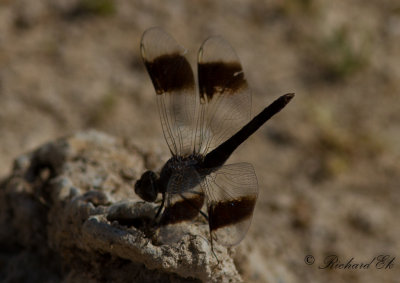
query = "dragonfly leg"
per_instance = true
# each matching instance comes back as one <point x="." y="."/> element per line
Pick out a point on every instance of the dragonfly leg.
<point x="161" y="206"/>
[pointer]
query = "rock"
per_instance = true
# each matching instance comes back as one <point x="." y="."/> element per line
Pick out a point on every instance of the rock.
<point x="68" y="212"/>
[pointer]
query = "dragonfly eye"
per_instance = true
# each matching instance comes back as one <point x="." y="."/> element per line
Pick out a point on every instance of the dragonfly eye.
<point x="146" y="187"/>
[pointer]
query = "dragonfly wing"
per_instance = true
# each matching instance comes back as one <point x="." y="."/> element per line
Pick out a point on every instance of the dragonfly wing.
<point x="231" y="196"/>
<point x="174" y="83"/>
<point x="184" y="200"/>
<point x="225" y="97"/>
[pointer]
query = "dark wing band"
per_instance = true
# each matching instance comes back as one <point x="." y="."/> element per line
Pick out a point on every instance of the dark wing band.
<point x="225" y="98"/>
<point x="231" y="197"/>
<point x="174" y="84"/>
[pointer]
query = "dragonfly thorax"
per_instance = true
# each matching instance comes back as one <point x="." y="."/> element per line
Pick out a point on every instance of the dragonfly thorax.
<point x="150" y="184"/>
<point x="180" y="163"/>
<point x="177" y="166"/>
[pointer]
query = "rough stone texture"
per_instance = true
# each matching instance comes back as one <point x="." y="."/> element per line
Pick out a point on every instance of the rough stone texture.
<point x="68" y="212"/>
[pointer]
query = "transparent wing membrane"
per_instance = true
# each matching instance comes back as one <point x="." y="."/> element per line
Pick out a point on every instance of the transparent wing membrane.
<point x="184" y="201"/>
<point x="231" y="196"/>
<point x="225" y="98"/>
<point x="173" y="80"/>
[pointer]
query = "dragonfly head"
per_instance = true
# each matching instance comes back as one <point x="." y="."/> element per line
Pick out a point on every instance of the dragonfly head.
<point x="146" y="186"/>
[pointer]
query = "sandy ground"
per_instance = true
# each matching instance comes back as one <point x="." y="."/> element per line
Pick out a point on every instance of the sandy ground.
<point x="328" y="165"/>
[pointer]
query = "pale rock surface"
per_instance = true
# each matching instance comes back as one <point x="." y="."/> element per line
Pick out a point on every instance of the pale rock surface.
<point x="68" y="213"/>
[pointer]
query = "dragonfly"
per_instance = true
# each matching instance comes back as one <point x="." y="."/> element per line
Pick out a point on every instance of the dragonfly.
<point x="203" y="123"/>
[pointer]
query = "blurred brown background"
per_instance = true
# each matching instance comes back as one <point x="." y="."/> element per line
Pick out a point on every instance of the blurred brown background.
<point x="328" y="165"/>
